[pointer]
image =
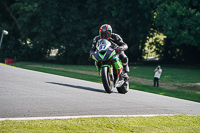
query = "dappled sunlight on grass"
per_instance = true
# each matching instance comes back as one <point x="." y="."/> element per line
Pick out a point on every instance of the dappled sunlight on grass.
<point x="167" y="76"/>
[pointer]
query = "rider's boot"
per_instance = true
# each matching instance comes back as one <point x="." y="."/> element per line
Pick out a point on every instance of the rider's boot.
<point x="126" y="70"/>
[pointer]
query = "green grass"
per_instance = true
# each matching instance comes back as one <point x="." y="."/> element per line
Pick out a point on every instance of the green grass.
<point x="169" y="74"/>
<point x="75" y="67"/>
<point x="178" y="93"/>
<point x="171" y="124"/>
<point x="182" y="94"/>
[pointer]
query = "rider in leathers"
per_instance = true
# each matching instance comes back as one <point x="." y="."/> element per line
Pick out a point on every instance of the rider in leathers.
<point x="117" y="43"/>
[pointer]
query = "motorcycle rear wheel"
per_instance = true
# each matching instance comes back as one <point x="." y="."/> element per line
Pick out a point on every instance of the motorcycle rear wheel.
<point x="124" y="88"/>
<point x="107" y="82"/>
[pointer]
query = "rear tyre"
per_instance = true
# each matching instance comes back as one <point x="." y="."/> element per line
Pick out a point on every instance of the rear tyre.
<point x="107" y="82"/>
<point x="124" y="88"/>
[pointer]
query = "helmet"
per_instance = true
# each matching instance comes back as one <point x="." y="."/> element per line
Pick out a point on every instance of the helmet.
<point x="105" y="31"/>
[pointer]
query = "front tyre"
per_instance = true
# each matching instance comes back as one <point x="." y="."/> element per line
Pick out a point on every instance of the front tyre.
<point x="107" y="82"/>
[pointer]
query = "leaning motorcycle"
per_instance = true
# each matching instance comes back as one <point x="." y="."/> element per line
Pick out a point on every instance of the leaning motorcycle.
<point x="111" y="72"/>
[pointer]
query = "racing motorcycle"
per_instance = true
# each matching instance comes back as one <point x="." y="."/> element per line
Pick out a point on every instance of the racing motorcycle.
<point x="111" y="72"/>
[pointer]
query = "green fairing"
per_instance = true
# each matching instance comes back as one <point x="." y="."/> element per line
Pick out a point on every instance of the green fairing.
<point x="118" y="64"/>
<point x="102" y="55"/>
<point x="113" y="53"/>
<point x="98" y="69"/>
<point x="106" y="65"/>
<point x="94" y="58"/>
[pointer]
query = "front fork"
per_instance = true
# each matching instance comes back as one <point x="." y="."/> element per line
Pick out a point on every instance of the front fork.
<point x="100" y="65"/>
<point x="118" y="67"/>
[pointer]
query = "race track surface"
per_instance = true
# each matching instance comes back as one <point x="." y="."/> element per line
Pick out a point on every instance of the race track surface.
<point x="26" y="93"/>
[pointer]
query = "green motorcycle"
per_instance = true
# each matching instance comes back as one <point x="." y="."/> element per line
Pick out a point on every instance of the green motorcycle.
<point x="111" y="72"/>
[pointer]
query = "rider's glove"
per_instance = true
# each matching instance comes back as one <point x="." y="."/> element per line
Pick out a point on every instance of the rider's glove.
<point x="89" y="59"/>
<point x="120" y="49"/>
<point x="91" y="55"/>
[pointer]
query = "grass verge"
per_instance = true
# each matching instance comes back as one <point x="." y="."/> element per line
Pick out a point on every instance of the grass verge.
<point x="167" y="92"/>
<point x="172" y="124"/>
<point x="136" y="86"/>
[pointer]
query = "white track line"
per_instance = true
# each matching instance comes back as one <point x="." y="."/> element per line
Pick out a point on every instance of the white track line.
<point x="84" y="116"/>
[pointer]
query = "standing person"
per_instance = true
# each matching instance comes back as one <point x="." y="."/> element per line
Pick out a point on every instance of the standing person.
<point x="158" y="72"/>
<point x="105" y="32"/>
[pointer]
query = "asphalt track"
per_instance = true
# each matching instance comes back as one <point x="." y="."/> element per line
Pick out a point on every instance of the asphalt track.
<point x="26" y="93"/>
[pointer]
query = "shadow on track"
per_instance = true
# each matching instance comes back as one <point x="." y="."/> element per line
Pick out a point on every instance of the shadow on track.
<point x="78" y="87"/>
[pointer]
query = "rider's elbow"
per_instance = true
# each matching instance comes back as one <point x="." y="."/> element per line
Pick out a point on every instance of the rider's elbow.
<point x="125" y="46"/>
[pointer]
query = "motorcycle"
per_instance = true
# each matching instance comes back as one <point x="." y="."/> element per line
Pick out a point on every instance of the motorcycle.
<point x="111" y="72"/>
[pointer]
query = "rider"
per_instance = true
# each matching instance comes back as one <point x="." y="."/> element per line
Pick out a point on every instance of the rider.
<point x="117" y="43"/>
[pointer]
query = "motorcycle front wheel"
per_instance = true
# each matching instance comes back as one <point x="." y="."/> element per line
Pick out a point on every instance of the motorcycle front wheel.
<point x="106" y="79"/>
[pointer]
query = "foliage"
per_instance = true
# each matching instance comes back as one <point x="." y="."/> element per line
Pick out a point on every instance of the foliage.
<point x="70" y="26"/>
<point x="10" y="45"/>
<point x="35" y="27"/>
<point x="180" y="22"/>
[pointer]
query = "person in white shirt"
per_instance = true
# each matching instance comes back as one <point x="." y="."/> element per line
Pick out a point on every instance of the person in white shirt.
<point x="157" y="75"/>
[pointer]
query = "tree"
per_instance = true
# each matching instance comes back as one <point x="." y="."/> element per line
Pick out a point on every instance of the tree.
<point x="8" y="21"/>
<point x="70" y="26"/>
<point x="180" y="22"/>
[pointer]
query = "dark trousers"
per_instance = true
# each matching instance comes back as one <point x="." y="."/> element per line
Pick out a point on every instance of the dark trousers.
<point x="156" y="81"/>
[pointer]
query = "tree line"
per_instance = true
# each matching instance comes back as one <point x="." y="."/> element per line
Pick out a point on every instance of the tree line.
<point x="35" y="27"/>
